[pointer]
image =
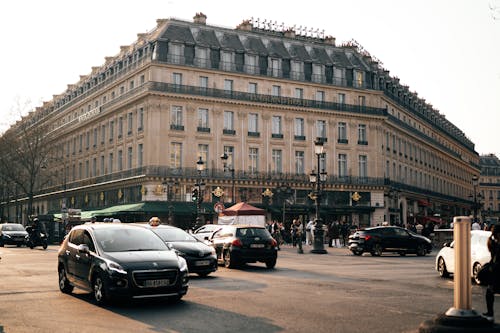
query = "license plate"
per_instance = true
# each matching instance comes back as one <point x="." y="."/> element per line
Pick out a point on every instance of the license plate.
<point x="202" y="263"/>
<point x="256" y="246"/>
<point x="157" y="283"/>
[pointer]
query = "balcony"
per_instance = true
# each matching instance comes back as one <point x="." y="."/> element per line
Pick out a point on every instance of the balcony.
<point x="176" y="127"/>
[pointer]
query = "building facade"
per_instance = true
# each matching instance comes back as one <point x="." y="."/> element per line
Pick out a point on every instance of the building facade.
<point x="489" y="189"/>
<point x="128" y="136"/>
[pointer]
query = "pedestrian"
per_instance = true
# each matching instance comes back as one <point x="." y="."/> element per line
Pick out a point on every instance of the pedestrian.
<point x="494" y="280"/>
<point x="154" y="221"/>
<point x="309" y="234"/>
<point x="334" y="234"/>
<point x="297" y="230"/>
<point x="476" y="226"/>
<point x="344" y="232"/>
<point x="419" y="227"/>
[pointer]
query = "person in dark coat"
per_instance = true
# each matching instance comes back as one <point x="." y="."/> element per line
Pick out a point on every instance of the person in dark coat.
<point x="494" y="280"/>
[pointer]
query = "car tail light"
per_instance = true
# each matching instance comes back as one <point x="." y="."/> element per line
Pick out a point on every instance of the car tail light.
<point x="237" y="242"/>
<point x="367" y="237"/>
<point x="273" y="242"/>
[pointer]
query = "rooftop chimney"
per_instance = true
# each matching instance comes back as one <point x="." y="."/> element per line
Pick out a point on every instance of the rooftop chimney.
<point x="200" y="18"/>
<point x="245" y="25"/>
<point x="330" y="40"/>
<point x="290" y="33"/>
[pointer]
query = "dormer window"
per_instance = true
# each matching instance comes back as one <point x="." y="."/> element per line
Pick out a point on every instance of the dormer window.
<point x="275" y="68"/>
<point x="227" y="62"/>
<point x="202" y="57"/>
<point x="176" y="53"/>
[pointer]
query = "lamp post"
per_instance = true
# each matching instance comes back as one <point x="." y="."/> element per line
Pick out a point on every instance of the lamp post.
<point x="200" y="186"/>
<point x="317" y="178"/>
<point x="476" y="197"/>
<point x="224" y="159"/>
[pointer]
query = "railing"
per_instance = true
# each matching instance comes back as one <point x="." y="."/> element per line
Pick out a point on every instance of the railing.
<point x="261" y="98"/>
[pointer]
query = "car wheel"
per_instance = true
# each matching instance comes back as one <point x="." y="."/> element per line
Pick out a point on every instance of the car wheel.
<point x="376" y="250"/>
<point x="271" y="263"/>
<point x="44" y="245"/>
<point x="64" y="284"/>
<point x="475" y="269"/>
<point x="99" y="290"/>
<point x="442" y="268"/>
<point x="228" y="262"/>
<point x="357" y="252"/>
<point x="421" y="251"/>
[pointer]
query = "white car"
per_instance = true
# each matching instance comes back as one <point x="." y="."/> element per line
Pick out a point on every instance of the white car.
<point x="445" y="259"/>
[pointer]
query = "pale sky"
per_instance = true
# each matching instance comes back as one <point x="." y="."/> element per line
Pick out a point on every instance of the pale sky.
<point x="447" y="51"/>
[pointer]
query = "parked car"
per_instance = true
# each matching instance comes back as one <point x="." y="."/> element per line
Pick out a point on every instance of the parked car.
<point x="204" y="232"/>
<point x="13" y="234"/>
<point x="445" y="259"/>
<point x="388" y="239"/>
<point x="200" y="257"/>
<point x="115" y="260"/>
<point x="239" y="244"/>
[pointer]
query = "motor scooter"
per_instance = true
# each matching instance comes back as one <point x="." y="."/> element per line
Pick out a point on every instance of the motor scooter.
<point x="36" y="238"/>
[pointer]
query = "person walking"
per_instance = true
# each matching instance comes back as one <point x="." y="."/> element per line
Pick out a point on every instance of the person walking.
<point x="297" y="234"/>
<point x="309" y="234"/>
<point x="494" y="280"/>
<point x="334" y="234"/>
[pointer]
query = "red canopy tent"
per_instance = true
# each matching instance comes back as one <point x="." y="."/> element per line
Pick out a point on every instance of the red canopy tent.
<point x="243" y="213"/>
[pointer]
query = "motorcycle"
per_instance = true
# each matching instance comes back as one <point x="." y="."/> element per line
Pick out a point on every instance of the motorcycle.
<point x="36" y="238"/>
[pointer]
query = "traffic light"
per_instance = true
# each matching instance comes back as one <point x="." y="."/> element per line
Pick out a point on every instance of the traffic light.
<point x="194" y="194"/>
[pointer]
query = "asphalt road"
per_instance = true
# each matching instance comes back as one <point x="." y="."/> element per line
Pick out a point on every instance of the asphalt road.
<point x="335" y="292"/>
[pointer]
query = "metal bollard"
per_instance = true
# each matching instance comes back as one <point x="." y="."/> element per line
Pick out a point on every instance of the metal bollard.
<point x="462" y="295"/>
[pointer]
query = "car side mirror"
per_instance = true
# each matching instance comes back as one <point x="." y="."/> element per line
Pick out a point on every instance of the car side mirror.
<point x="83" y="248"/>
<point x="446" y="244"/>
<point x="170" y="246"/>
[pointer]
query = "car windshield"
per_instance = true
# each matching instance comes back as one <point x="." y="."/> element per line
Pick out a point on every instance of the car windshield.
<point x="252" y="232"/>
<point x="128" y="239"/>
<point x="12" y="227"/>
<point x="174" y="235"/>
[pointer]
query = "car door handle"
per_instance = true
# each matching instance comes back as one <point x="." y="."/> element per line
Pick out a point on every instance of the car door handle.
<point x="67" y="252"/>
<point x="77" y="257"/>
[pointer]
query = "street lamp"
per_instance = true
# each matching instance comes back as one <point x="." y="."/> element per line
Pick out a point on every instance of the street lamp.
<point x="198" y="192"/>
<point x="476" y="197"/>
<point x="224" y="159"/>
<point x="318" y="178"/>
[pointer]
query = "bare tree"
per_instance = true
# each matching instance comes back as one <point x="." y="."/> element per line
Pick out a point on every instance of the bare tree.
<point x="24" y="148"/>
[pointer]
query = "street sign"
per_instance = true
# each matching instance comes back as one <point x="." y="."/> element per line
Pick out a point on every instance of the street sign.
<point x="219" y="207"/>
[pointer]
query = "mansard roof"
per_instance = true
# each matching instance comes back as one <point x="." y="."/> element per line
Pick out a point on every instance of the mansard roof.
<point x="277" y="49"/>
<point x="255" y="45"/>
<point x="232" y="42"/>
<point x="178" y="33"/>
<point x="319" y="55"/>
<point x="299" y="52"/>
<point x="207" y="38"/>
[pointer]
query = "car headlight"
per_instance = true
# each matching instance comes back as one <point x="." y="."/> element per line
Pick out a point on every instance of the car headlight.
<point x="113" y="266"/>
<point x="7" y="236"/>
<point x="26" y="236"/>
<point x="183" y="266"/>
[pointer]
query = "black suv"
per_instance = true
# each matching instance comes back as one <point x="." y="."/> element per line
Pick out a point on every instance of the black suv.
<point x="120" y="261"/>
<point x="239" y="244"/>
<point x="388" y="239"/>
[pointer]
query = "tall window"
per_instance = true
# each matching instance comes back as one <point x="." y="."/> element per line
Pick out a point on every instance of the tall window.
<point x="276" y="91"/>
<point x="203" y="118"/>
<point x="358" y="79"/>
<point x="276" y="125"/>
<point x="253" y="122"/>
<point x="342" y="132"/>
<point x="110" y="163"/>
<point x="362" y="101"/>
<point x="251" y="64"/>
<point x="140" y="119"/>
<point x="321" y="128"/>
<point x="342" y="165"/>
<point x="253" y="160"/>
<point x="94" y="167"/>
<point x="228" y="85"/>
<point x="102" y="165"/>
<point x="130" y="122"/>
<point x="252" y="88"/>
<point x="175" y="155"/>
<point x="119" y="160"/>
<point x="202" y="57"/>
<point x="341" y="98"/>
<point x="229" y="151"/>
<point x="87" y="169"/>
<point x="275" y="67"/>
<point x="362" y="139"/>
<point x="229" y="120"/>
<point x="227" y="60"/>
<point x="176" y="52"/>
<point x="176" y="116"/>
<point x="299" y="127"/>
<point x="320" y="96"/>
<point x="299" y="93"/>
<point x="203" y="152"/>
<point x="177" y="79"/>
<point x="111" y="130"/>
<point x="277" y="160"/>
<point x="130" y="158"/>
<point x="299" y="162"/>
<point x="140" y="155"/>
<point x="103" y="133"/>
<point x="203" y="82"/>
<point x="120" y="127"/>
<point x="363" y="166"/>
